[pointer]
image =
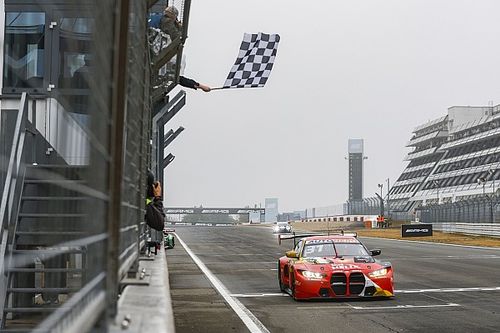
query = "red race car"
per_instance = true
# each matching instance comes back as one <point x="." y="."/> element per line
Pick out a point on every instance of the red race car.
<point x="333" y="266"/>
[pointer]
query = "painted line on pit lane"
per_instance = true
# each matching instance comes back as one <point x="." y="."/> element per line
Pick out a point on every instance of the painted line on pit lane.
<point x="239" y="254"/>
<point x="445" y="290"/>
<point x="259" y="295"/>
<point x="253" y="269"/>
<point x="396" y="292"/>
<point x="479" y="256"/>
<point x="433" y="243"/>
<point x="393" y="307"/>
<point x="248" y="318"/>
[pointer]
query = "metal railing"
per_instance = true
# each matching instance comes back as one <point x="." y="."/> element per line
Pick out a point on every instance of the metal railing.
<point x="11" y="194"/>
<point x="166" y="47"/>
<point x="14" y="167"/>
<point x="109" y="189"/>
<point x="477" y="229"/>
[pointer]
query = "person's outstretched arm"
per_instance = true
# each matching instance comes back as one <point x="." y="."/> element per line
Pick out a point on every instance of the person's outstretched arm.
<point x="190" y="83"/>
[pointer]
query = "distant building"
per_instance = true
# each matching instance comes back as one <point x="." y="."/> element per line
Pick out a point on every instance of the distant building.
<point x="454" y="157"/>
<point x="356" y="157"/>
<point x="291" y="216"/>
<point x="271" y="209"/>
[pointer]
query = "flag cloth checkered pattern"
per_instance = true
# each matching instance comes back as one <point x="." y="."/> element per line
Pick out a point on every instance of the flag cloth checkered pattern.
<point x="255" y="61"/>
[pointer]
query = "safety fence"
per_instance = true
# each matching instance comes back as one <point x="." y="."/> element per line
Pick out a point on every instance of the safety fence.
<point x="483" y="209"/>
<point x="73" y="225"/>
<point x="370" y="206"/>
<point x="477" y="229"/>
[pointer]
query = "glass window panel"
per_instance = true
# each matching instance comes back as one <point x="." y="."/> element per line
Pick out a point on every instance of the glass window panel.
<point x="75" y="64"/>
<point x="74" y="52"/>
<point x="24" y="50"/>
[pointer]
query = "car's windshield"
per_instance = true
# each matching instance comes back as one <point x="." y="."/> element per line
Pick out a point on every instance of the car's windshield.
<point x="319" y="250"/>
<point x="328" y="249"/>
<point x="350" y="249"/>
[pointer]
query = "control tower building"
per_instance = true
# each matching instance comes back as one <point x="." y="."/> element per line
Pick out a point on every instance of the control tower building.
<point x="356" y="157"/>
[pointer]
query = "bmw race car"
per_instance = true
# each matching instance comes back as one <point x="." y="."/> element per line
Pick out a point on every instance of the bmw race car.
<point x="334" y="266"/>
<point x="282" y="227"/>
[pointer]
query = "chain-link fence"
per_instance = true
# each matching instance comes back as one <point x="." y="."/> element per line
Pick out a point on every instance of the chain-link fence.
<point x="484" y="209"/>
<point x="74" y="186"/>
<point x="367" y="206"/>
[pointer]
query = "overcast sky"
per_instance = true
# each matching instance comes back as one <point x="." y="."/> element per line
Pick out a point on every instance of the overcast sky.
<point x="345" y="69"/>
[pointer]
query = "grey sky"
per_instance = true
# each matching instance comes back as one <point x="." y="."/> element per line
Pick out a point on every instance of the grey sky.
<point x="345" y="69"/>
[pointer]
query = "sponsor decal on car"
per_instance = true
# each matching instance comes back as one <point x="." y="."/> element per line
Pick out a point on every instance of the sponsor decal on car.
<point x="345" y="266"/>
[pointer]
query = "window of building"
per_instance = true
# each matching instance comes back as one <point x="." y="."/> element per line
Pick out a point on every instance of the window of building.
<point x="24" y="50"/>
<point x="75" y="36"/>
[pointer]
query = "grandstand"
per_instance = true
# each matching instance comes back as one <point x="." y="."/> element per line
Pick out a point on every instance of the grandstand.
<point x="454" y="158"/>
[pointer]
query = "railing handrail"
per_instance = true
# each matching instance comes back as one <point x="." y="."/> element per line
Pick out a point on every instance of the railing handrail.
<point x="12" y="159"/>
<point x="9" y="192"/>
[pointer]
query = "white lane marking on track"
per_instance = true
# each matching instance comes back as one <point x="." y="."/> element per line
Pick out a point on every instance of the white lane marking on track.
<point x="241" y="263"/>
<point x="253" y="269"/>
<point x="354" y="307"/>
<point x="401" y="291"/>
<point x="445" y="290"/>
<point x="434" y="243"/>
<point x="259" y="295"/>
<point x="236" y="254"/>
<point x="479" y="256"/>
<point x="406" y="306"/>
<point x="324" y="307"/>
<point x="248" y="318"/>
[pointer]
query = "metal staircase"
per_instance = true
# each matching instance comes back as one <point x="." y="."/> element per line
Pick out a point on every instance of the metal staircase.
<point x="43" y="219"/>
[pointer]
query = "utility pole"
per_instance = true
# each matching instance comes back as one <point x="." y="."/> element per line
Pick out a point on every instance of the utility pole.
<point x="436" y="183"/>
<point x="482" y="181"/>
<point x="493" y="195"/>
<point x="381" y="196"/>
<point x="388" y="204"/>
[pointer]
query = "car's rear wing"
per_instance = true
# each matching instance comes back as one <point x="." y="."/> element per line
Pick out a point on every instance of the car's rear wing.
<point x="341" y="232"/>
<point x="294" y="236"/>
<point x="167" y="230"/>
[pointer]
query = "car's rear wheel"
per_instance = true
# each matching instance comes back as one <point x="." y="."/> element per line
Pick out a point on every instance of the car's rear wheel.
<point x="282" y="286"/>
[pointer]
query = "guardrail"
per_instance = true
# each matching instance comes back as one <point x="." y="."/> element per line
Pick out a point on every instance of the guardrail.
<point x="478" y="229"/>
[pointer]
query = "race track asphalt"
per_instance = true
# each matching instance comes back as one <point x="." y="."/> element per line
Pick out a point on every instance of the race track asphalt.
<point x="439" y="288"/>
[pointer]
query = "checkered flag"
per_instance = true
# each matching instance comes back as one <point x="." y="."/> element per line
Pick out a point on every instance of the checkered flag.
<point x="255" y="61"/>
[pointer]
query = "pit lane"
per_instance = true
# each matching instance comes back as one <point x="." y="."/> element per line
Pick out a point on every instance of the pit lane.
<point x="439" y="287"/>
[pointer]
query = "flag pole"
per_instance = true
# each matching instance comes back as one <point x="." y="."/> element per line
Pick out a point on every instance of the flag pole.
<point x="218" y="88"/>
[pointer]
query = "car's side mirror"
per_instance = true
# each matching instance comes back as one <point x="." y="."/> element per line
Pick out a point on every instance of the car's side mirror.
<point x="291" y="254"/>
<point x="375" y="252"/>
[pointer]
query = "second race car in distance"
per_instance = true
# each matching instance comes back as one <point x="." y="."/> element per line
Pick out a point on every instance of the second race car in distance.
<point x="282" y="227"/>
<point x="334" y="266"/>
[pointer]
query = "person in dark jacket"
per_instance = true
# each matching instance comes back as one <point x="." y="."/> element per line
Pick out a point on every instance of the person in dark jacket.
<point x="155" y="216"/>
<point x="190" y="83"/>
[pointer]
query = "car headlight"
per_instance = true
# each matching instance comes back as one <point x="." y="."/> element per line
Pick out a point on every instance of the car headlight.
<point x="287" y="227"/>
<point x="378" y="273"/>
<point x="312" y="275"/>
